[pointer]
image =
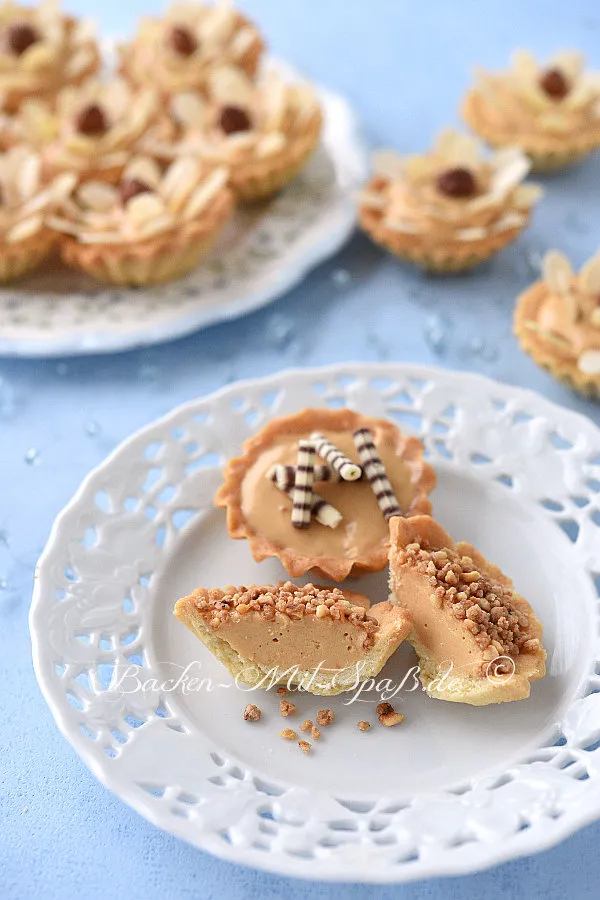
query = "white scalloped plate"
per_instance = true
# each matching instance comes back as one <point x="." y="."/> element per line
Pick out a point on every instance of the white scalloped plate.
<point x="263" y="254"/>
<point x="452" y="790"/>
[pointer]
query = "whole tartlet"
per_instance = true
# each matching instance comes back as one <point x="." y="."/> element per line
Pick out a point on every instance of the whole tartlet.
<point x="449" y="209"/>
<point x="41" y="51"/>
<point x="557" y="321"/>
<point x="151" y="227"/>
<point x="93" y="129"/>
<point x="25" y="205"/>
<point x="263" y="132"/>
<point x="356" y="540"/>
<point x="179" y="51"/>
<point x="551" y="111"/>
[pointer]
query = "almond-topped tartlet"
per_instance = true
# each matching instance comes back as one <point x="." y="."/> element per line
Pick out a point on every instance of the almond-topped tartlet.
<point x="263" y="132"/>
<point x="477" y="640"/>
<point x="41" y="51"/>
<point x="178" y="51"/>
<point x="316" y="489"/>
<point x="557" y="321"/>
<point x="93" y="129"/>
<point x="322" y="638"/>
<point x="25" y="205"/>
<point x="449" y="209"/>
<point x="151" y="227"/>
<point x="551" y="111"/>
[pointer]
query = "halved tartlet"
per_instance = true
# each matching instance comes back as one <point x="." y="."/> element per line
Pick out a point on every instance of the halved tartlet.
<point x="557" y="322"/>
<point x="477" y="640"/>
<point x="179" y="51"/>
<point x="41" y="51"/>
<point x="356" y="539"/>
<point x="25" y="206"/>
<point x="263" y="132"/>
<point x="150" y="228"/>
<point x="93" y="130"/>
<point x="324" y="639"/>
<point x="551" y="112"/>
<point x="450" y="209"/>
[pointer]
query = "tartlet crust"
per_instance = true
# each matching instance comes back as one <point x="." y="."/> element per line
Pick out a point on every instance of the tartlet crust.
<point x="542" y="351"/>
<point x="159" y="259"/>
<point x="296" y="564"/>
<point x="24" y="256"/>
<point x="451" y="256"/>
<point x="475" y="691"/>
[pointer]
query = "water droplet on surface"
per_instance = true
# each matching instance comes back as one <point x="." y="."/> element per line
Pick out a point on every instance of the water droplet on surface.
<point x="92" y="429"/>
<point x="341" y="277"/>
<point x="436" y="331"/>
<point x="32" y="457"/>
<point x="3" y="584"/>
<point x="280" y="330"/>
<point x="483" y="349"/>
<point x="62" y="369"/>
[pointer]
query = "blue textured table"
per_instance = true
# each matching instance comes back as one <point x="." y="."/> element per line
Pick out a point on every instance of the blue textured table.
<point x="404" y="65"/>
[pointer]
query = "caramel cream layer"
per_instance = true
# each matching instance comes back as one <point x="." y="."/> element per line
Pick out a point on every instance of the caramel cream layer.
<point x="268" y="512"/>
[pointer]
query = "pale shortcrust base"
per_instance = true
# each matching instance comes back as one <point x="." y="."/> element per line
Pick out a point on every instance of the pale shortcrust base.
<point x="542" y="352"/>
<point x="322" y="683"/>
<point x="547" y="153"/>
<point x="25" y="256"/>
<point x="154" y="261"/>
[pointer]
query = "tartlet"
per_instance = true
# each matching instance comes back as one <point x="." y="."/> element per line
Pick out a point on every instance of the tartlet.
<point x="477" y="640"/>
<point x="552" y="112"/>
<point x="263" y="132"/>
<point x="259" y="512"/>
<point x="449" y="209"/>
<point x="557" y="322"/>
<point x="25" y="205"/>
<point x="152" y="227"/>
<point x="41" y="51"/>
<point x="321" y="638"/>
<point x="178" y="52"/>
<point x="93" y="129"/>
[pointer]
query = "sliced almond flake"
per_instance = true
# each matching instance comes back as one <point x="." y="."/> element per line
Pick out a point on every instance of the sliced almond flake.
<point x="269" y="144"/>
<point x="589" y="362"/>
<point x="511" y="167"/>
<point x="229" y="85"/>
<point x="554" y="122"/>
<point x="179" y="181"/>
<point x="456" y="147"/>
<point x="83" y="31"/>
<point x="548" y="335"/>
<point x="388" y="164"/>
<point x="527" y="195"/>
<point x="509" y="220"/>
<point x="205" y="192"/>
<point x="28" y="176"/>
<point x="583" y="92"/>
<point x="38" y="56"/>
<point x="275" y="102"/>
<point x="589" y="276"/>
<point x="117" y="98"/>
<point x="242" y="140"/>
<point x="571" y="62"/>
<point x="557" y="272"/>
<point x="100" y="237"/>
<point x="218" y="24"/>
<point x="372" y="199"/>
<point x="595" y="317"/>
<point x="64" y="225"/>
<point x="81" y="145"/>
<point x="471" y="234"/>
<point x="189" y="109"/>
<point x="78" y="62"/>
<point x="156" y="226"/>
<point x="145" y="169"/>
<point x="403" y="226"/>
<point x="533" y="95"/>
<point x="97" y="195"/>
<point x="524" y="64"/>
<point x="24" y="230"/>
<point x="242" y="41"/>
<point x="144" y="207"/>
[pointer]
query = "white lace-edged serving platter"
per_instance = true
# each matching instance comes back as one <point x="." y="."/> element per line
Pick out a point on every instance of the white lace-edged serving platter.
<point x="451" y="790"/>
<point x="264" y="252"/>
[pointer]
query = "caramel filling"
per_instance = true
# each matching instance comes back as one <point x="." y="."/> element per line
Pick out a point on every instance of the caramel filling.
<point x="268" y="512"/>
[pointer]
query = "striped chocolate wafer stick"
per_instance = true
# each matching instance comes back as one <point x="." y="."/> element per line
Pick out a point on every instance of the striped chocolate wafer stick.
<point x="285" y="476"/>
<point x="339" y="462"/>
<point x="302" y="493"/>
<point x="322" y="511"/>
<point x="376" y="474"/>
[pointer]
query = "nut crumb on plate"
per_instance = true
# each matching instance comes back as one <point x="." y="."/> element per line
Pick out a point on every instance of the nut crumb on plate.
<point x="286" y="708"/>
<point x="391" y="718"/>
<point x="288" y="734"/>
<point x="325" y="717"/>
<point x="364" y="726"/>
<point x="306" y="725"/>
<point x="384" y="708"/>
<point x="252" y="713"/>
<point x="315" y="733"/>
<point x="304" y="746"/>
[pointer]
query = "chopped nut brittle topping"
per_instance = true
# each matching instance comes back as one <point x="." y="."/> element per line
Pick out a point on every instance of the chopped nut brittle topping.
<point x="391" y="718"/>
<point x="384" y="708"/>
<point x="304" y="746"/>
<point x="289" y="600"/>
<point x="286" y="708"/>
<point x="364" y="726"/>
<point x="306" y="725"/>
<point x="315" y="733"/>
<point x="252" y="713"/>
<point x="288" y="734"/>
<point x="281" y="691"/>
<point x="485" y="605"/>
<point x="325" y="717"/>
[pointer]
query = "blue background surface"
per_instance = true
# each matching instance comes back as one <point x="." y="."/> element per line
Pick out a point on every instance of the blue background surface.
<point x="404" y="65"/>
